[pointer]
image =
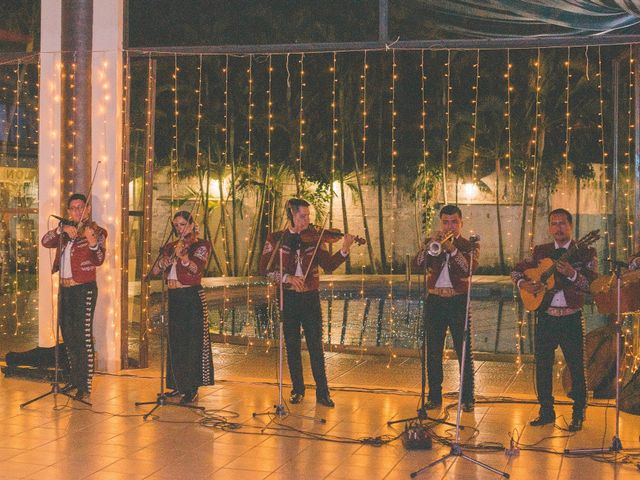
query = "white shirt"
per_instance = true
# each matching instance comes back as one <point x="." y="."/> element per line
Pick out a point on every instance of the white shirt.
<point x="558" y="299"/>
<point x="65" y="262"/>
<point x="444" y="279"/>
<point x="172" y="273"/>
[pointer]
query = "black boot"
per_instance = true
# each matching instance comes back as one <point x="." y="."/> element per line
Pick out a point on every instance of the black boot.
<point x="577" y="418"/>
<point x="189" y="396"/>
<point x="547" y="415"/>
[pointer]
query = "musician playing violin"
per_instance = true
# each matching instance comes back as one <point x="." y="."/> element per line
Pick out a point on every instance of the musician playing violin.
<point x="80" y="248"/>
<point x="447" y="277"/>
<point x="182" y="263"/>
<point x="301" y="279"/>
<point x="559" y="322"/>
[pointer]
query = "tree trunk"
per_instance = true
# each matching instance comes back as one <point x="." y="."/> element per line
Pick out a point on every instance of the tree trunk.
<point x="383" y="253"/>
<point x="498" y="219"/>
<point x="234" y="227"/>
<point x="362" y="205"/>
<point x="345" y="220"/>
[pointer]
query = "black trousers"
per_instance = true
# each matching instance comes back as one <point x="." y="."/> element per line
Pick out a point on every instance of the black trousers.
<point x="189" y="358"/>
<point x="441" y="313"/>
<point x="567" y="332"/>
<point x="303" y="310"/>
<point x="77" y="305"/>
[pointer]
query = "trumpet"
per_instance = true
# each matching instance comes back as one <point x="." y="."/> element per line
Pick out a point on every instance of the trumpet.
<point x="434" y="247"/>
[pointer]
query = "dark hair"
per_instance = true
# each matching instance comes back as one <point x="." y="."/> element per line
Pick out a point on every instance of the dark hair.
<point x="450" y="210"/>
<point x="76" y="196"/>
<point x="293" y="205"/>
<point x="561" y="211"/>
<point x="183" y="214"/>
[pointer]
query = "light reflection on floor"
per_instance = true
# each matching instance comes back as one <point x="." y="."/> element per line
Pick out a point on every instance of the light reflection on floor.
<point x="42" y="443"/>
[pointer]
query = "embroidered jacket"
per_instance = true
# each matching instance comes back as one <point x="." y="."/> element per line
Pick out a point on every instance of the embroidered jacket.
<point x="270" y="259"/>
<point x="584" y="261"/>
<point x="198" y="251"/>
<point x="84" y="259"/>
<point x="458" y="264"/>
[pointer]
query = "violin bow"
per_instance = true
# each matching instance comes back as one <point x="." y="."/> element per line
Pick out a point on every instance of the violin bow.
<point x="315" y="250"/>
<point x="88" y="202"/>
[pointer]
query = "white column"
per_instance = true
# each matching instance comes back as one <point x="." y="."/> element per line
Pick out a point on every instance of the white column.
<point x="48" y="163"/>
<point x="106" y="145"/>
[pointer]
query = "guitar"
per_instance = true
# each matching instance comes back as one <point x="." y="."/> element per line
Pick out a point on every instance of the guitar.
<point x="544" y="274"/>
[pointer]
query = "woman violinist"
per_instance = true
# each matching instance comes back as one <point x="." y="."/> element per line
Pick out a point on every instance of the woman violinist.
<point x="303" y="251"/>
<point x="182" y="263"/>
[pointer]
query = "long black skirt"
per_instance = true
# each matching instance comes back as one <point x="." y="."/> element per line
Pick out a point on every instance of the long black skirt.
<point x="189" y="362"/>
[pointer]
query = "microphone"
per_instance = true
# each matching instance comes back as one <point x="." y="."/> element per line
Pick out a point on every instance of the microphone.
<point x="475" y="238"/>
<point x="64" y="221"/>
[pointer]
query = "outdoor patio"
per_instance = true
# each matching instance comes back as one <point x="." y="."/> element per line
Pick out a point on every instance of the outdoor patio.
<point x="112" y="441"/>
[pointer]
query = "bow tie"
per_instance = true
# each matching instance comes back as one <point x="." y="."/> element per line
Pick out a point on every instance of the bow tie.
<point x="294" y="241"/>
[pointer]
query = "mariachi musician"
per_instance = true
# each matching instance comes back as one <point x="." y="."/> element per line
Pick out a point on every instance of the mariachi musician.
<point x="448" y="275"/>
<point x="300" y="279"/>
<point x="182" y="263"/>
<point x="559" y="319"/>
<point x="80" y="248"/>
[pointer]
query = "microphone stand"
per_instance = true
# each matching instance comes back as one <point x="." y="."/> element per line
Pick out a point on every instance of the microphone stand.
<point x="422" y="411"/>
<point x="616" y="443"/>
<point x="55" y="385"/>
<point x="280" y="409"/>
<point x="456" y="448"/>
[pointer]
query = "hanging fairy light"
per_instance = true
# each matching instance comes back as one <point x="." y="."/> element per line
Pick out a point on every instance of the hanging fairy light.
<point x="225" y="155"/>
<point x="603" y="150"/>
<point x="147" y="209"/>
<point x="534" y="155"/>
<point x="199" y="114"/>
<point x="507" y="114"/>
<point x="110" y="269"/>
<point x="365" y="126"/>
<point x="250" y="106"/>
<point x="174" y="154"/>
<point x="394" y="200"/>
<point x="567" y="135"/>
<point x="16" y="283"/>
<point x="628" y="190"/>
<point x="508" y="157"/>
<point x="447" y="148"/>
<point x="334" y="130"/>
<point x="301" y="122"/>
<point x="268" y="152"/>
<point x="474" y="123"/>
<point x="423" y="128"/>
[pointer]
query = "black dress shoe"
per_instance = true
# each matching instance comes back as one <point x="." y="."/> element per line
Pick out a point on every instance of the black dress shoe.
<point x="189" y="396"/>
<point x="433" y="404"/>
<point x="577" y="419"/>
<point x="81" y="394"/>
<point x="546" y="417"/>
<point x="67" y="388"/>
<point x="576" y="424"/>
<point x="468" y="406"/>
<point x="296" y="398"/>
<point x="172" y="393"/>
<point x="326" y="401"/>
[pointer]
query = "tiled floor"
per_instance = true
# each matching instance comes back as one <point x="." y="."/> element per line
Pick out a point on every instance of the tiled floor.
<point x="112" y="441"/>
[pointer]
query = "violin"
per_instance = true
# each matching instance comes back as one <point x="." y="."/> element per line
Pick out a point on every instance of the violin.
<point x="314" y="234"/>
<point x="79" y="226"/>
